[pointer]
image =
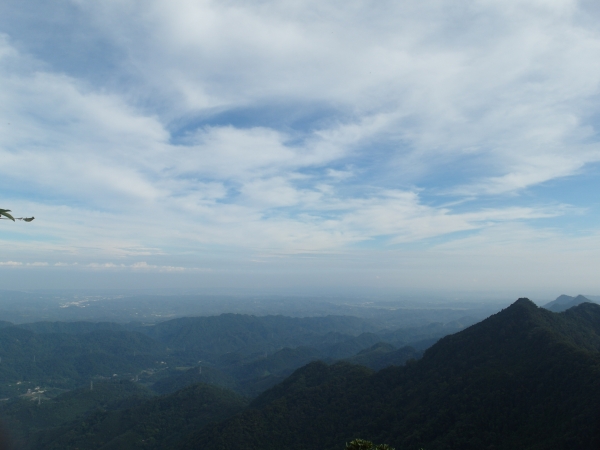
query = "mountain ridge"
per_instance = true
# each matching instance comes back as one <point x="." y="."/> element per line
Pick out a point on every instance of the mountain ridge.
<point x="523" y="378"/>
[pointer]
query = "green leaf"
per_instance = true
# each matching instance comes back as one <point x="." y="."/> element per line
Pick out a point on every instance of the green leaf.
<point x="5" y="212"/>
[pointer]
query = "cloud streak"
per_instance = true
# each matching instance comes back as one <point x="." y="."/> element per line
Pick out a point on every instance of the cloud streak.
<point x="248" y="128"/>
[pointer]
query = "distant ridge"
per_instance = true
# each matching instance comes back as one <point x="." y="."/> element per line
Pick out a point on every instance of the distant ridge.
<point x="564" y="302"/>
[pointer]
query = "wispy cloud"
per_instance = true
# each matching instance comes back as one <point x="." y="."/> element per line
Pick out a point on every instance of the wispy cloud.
<point x="248" y="128"/>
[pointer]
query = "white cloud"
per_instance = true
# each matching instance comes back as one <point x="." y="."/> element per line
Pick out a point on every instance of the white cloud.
<point x="398" y="97"/>
<point x="507" y="82"/>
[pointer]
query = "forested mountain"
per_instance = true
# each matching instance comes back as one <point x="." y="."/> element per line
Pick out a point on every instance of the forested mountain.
<point x="253" y="352"/>
<point x="235" y="339"/>
<point x="48" y="369"/>
<point x="524" y="378"/>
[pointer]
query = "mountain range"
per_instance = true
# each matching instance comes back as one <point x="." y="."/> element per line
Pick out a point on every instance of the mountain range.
<point x="525" y="378"/>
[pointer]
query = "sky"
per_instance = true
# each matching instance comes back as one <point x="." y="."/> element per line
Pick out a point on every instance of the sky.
<point x="301" y="145"/>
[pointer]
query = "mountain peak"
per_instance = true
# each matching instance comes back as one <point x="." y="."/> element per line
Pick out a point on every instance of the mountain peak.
<point x="524" y="302"/>
<point x="520" y="306"/>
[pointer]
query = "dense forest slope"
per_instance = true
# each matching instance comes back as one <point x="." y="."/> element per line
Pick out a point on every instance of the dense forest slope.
<point x="524" y="378"/>
<point x="67" y="360"/>
<point x="153" y="424"/>
<point x="382" y="355"/>
<point x="25" y="417"/>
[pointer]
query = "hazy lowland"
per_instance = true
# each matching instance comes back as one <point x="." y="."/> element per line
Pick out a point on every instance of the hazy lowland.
<point x="102" y="370"/>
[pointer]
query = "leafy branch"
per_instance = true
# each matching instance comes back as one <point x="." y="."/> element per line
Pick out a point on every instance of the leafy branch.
<point x="361" y="444"/>
<point x="4" y="214"/>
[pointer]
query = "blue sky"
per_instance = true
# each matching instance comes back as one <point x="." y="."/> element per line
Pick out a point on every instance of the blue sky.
<point x="398" y="146"/>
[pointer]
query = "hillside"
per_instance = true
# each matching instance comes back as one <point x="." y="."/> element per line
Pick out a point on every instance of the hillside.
<point x="68" y="360"/>
<point x="382" y="355"/>
<point x="153" y="424"/>
<point x="25" y="415"/>
<point x="524" y="378"/>
<point x="233" y="341"/>
<point x="184" y="378"/>
<point x="249" y="353"/>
